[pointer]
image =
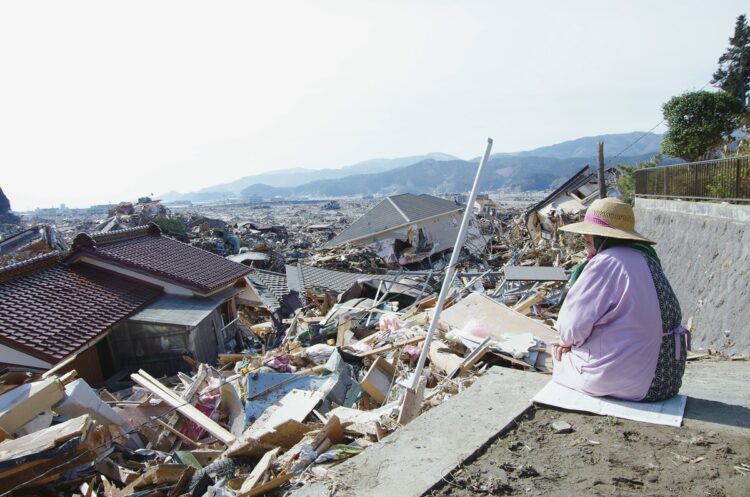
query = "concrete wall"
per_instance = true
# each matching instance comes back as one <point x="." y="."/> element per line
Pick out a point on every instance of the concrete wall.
<point x="705" y="251"/>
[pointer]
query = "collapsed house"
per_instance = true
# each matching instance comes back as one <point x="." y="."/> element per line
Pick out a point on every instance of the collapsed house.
<point x="406" y="228"/>
<point x="31" y="242"/>
<point x="118" y="300"/>
<point x="568" y="202"/>
<point x="315" y="373"/>
<point x="485" y="207"/>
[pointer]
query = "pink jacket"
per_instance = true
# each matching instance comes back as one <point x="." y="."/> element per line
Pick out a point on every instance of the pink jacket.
<point x="612" y="321"/>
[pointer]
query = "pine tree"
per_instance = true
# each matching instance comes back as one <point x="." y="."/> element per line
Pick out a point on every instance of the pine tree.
<point x="733" y="75"/>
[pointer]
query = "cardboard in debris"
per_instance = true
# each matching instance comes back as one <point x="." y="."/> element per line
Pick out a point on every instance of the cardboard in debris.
<point x="377" y="382"/>
<point x="265" y="388"/>
<point x="500" y="321"/>
<point x="296" y="405"/>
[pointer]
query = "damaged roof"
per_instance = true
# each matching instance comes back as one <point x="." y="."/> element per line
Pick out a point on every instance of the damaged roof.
<point x="300" y="278"/>
<point x="50" y="310"/>
<point x="394" y="212"/>
<point x="147" y="251"/>
<point x="271" y="287"/>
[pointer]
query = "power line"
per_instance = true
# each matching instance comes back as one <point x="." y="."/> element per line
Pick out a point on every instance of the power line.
<point x="646" y="133"/>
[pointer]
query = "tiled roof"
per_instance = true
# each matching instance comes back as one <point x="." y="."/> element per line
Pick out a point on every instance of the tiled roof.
<point x="301" y="277"/>
<point x="271" y="286"/>
<point x="145" y="250"/>
<point x="50" y="310"/>
<point x="393" y="212"/>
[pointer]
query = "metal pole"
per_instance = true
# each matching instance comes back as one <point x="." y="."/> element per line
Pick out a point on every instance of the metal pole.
<point x="450" y="270"/>
<point x="600" y="170"/>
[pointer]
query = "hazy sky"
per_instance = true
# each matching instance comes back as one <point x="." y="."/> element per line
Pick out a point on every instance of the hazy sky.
<point x="107" y="101"/>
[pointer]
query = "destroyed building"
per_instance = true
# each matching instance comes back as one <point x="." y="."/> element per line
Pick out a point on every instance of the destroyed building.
<point x="282" y="374"/>
<point x="568" y="202"/>
<point x="405" y="228"/>
<point x="117" y="300"/>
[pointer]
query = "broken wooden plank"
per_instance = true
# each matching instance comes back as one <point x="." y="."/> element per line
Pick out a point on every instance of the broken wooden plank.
<point x="42" y="440"/>
<point x="260" y="471"/>
<point x="388" y="348"/>
<point x="183" y="482"/>
<point x="345" y="324"/>
<point x="24" y="403"/>
<point x="163" y="474"/>
<point x="183" y="407"/>
<point x="285" y="435"/>
<point x="471" y="359"/>
<point x="377" y="382"/>
<point x="524" y="307"/>
<point x="412" y="404"/>
<point x="332" y="430"/>
<point x="176" y="433"/>
<point x="268" y="486"/>
<point x="442" y="358"/>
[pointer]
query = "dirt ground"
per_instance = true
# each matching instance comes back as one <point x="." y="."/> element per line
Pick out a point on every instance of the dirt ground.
<point x="604" y="456"/>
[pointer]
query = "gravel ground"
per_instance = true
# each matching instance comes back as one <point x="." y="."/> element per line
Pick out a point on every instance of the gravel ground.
<point x="604" y="456"/>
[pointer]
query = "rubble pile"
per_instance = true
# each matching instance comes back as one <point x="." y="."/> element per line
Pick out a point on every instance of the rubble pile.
<point x="284" y="231"/>
<point x="31" y="242"/>
<point x="129" y="215"/>
<point x="325" y="362"/>
<point x="300" y="398"/>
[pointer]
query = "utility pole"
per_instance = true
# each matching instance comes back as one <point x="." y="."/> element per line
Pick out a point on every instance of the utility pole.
<point x="600" y="169"/>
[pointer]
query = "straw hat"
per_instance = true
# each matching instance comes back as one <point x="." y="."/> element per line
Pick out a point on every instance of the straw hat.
<point x="608" y="217"/>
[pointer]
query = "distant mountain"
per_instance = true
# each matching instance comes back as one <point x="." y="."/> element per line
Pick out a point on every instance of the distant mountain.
<point x="530" y="169"/>
<point x="299" y="176"/>
<point x="509" y="173"/>
<point x="629" y="144"/>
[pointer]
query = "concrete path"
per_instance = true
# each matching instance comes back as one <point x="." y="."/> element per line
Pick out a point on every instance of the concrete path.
<point x="718" y="396"/>
<point x="413" y="459"/>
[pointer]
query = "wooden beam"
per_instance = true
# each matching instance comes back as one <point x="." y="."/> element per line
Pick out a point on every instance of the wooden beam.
<point x="412" y="403"/>
<point x="388" y="348"/>
<point x="183" y="407"/>
<point x="260" y="471"/>
<point x="270" y="485"/>
<point x="471" y="359"/>
<point x="525" y="305"/>
<point x="345" y="324"/>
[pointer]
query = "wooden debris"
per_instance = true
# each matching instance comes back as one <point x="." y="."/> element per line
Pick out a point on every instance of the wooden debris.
<point x="184" y="408"/>
<point x="377" y="382"/>
<point x="24" y="403"/>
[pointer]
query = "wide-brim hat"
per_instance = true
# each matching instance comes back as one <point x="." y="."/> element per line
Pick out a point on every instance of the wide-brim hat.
<point x="608" y="217"/>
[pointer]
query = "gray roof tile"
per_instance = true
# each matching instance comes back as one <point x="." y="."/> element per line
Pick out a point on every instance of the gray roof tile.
<point x="271" y="286"/>
<point x="392" y="212"/>
<point x="301" y="277"/>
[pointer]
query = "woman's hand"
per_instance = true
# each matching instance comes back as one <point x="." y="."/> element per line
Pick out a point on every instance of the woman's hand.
<point x="558" y="349"/>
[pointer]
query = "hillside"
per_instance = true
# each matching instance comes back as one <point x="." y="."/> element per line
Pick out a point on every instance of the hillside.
<point x="436" y="172"/>
<point x="648" y="143"/>
<point x="508" y="173"/>
<point x="299" y="176"/>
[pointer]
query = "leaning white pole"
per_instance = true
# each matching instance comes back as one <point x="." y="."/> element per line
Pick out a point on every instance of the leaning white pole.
<point x="450" y="271"/>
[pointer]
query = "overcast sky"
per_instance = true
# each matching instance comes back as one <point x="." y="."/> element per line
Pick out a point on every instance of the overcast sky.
<point x="107" y="101"/>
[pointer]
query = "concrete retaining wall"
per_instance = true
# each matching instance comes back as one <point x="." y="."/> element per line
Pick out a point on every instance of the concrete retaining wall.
<point x="705" y="251"/>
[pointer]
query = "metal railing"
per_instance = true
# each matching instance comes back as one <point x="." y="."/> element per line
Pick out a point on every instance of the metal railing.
<point x="720" y="179"/>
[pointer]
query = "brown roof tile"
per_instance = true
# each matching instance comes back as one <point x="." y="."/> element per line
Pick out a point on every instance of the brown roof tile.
<point x="145" y="250"/>
<point x="50" y="310"/>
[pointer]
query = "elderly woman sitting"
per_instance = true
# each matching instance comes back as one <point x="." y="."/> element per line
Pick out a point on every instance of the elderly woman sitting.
<point x="619" y="326"/>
